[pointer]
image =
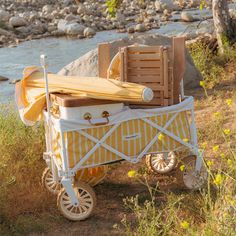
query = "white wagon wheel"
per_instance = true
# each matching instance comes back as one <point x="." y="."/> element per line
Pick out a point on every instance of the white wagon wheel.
<point x="87" y="202"/>
<point x="48" y="182"/>
<point x="161" y="163"/>
<point x="188" y="177"/>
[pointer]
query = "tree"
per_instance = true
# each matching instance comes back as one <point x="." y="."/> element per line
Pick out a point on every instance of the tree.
<point x="225" y="26"/>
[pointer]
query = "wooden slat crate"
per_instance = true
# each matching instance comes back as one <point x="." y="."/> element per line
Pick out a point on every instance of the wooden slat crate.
<point x="150" y="66"/>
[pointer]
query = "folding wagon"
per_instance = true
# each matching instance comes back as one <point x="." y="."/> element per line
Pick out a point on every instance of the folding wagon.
<point x="84" y="136"/>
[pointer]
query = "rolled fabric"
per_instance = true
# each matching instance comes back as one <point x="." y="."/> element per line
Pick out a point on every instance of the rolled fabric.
<point x="31" y="93"/>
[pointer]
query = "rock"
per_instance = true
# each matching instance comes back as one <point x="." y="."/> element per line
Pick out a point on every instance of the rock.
<point x="120" y="18"/>
<point x="58" y="33"/>
<point x="196" y="3"/>
<point x="161" y="5"/>
<point x="72" y="17"/>
<point x="23" y="29"/>
<point x="14" y="81"/>
<point x="87" y="65"/>
<point x="74" y="29"/>
<point x="38" y="28"/>
<point x="3" y="78"/>
<point x="130" y="30"/>
<point x="89" y="32"/>
<point x="17" y="21"/>
<point x="185" y="16"/>
<point x="47" y="9"/>
<point x="4" y="16"/>
<point x="232" y="13"/>
<point x="140" y="28"/>
<point x="68" y="2"/>
<point x="166" y="12"/>
<point x="70" y="28"/>
<point x="5" y="32"/>
<point x="81" y="9"/>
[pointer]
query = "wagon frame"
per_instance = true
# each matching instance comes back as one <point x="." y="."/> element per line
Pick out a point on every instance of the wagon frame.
<point x="63" y="174"/>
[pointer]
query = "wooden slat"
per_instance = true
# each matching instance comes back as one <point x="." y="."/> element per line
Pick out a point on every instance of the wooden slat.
<point x="122" y="68"/>
<point x="125" y="64"/>
<point x="104" y="59"/>
<point x="140" y="72"/>
<point x="144" y="64"/>
<point x="138" y="79"/>
<point x="153" y="86"/>
<point x="153" y="49"/>
<point x="165" y="74"/>
<point x="144" y="56"/>
<point x="179" y="65"/>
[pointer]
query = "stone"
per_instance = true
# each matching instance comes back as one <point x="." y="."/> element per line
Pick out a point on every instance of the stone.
<point x="3" y="78"/>
<point x="74" y="29"/>
<point x="187" y="17"/>
<point x="72" y="17"/>
<point x="23" y="29"/>
<point x="47" y="9"/>
<point x="81" y="9"/>
<point x="4" y="16"/>
<point x="232" y="13"/>
<point x="196" y="3"/>
<point x="5" y="32"/>
<point x="170" y="5"/>
<point x="87" y="65"/>
<point x="140" y="28"/>
<point x="17" y="21"/>
<point x="68" y="2"/>
<point x="38" y="28"/>
<point x="130" y="30"/>
<point x="89" y="32"/>
<point x="70" y="28"/>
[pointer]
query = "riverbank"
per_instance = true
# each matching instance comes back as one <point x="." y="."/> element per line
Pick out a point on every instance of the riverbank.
<point x="25" y="20"/>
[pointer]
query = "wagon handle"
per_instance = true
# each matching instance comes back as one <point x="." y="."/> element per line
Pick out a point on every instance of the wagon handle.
<point x="105" y="114"/>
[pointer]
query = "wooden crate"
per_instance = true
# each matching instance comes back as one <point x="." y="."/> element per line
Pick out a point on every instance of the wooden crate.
<point x="150" y="66"/>
<point x="158" y="67"/>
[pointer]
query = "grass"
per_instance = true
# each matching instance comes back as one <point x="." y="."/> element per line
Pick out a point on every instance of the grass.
<point x="212" y="66"/>
<point x="21" y="195"/>
<point x="211" y="211"/>
<point x="25" y="208"/>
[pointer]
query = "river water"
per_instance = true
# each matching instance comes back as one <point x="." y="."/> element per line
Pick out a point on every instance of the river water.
<point x="61" y="51"/>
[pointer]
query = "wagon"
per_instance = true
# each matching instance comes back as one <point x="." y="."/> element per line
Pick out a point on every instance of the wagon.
<point x="79" y="147"/>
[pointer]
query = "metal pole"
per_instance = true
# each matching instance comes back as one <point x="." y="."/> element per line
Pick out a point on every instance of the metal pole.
<point x="44" y="66"/>
<point x="48" y="122"/>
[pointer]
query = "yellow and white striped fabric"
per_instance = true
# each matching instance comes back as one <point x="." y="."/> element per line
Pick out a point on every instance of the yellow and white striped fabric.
<point x="129" y="138"/>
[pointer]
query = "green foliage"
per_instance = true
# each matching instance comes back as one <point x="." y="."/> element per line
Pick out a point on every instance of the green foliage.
<point x="112" y="6"/>
<point x="211" y="65"/>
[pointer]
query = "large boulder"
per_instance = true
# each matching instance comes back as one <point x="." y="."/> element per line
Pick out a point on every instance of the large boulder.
<point x="70" y="28"/>
<point x="17" y="21"/>
<point x="87" y="65"/>
<point x="170" y="5"/>
<point x="187" y="17"/>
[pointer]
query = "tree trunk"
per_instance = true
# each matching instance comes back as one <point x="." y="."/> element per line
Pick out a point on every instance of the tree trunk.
<point x="224" y="25"/>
